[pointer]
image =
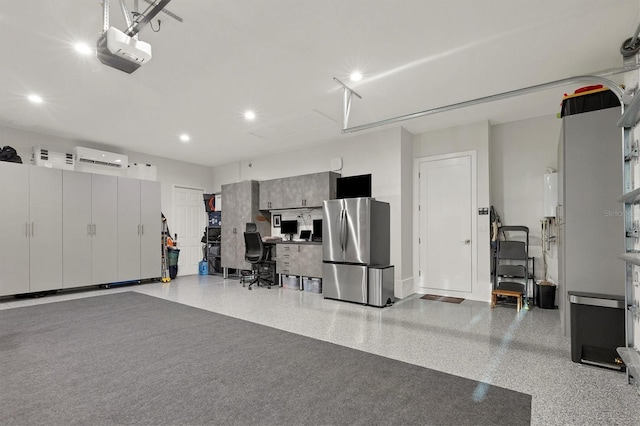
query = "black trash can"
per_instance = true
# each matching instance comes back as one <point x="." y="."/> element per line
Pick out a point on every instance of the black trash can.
<point x="597" y="329"/>
<point x="172" y="257"/>
<point x="546" y="295"/>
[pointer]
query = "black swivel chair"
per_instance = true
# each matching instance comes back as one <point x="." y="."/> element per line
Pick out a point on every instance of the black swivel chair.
<point x="256" y="254"/>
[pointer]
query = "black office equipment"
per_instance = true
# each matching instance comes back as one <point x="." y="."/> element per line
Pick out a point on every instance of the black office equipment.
<point x="317" y="230"/>
<point x="305" y="235"/>
<point x="213" y="233"/>
<point x="289" y="227"/>
<point x="263" y="268"/>
<point x="353" y="186"/>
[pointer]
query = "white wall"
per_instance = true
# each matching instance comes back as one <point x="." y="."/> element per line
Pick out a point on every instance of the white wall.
<point x="521" y="152"/>
<point x="170" y="172"/>
<point x="378" y="153"/>
<point x="457" y="139"/>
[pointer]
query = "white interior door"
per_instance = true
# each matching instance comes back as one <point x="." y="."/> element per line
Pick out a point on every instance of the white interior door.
<point x="189" y="224"/>
<point x="445" y="224"/>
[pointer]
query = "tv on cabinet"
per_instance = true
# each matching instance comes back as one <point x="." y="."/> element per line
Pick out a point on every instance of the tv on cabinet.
<point x="353" y="186"/>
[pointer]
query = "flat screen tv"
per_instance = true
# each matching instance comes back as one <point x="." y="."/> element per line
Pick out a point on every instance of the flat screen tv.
<point x="317" y="230"/>
<point x="353" y="186"/>
<point x="289" y="227"/>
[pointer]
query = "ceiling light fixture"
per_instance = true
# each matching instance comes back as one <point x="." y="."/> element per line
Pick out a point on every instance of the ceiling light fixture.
<point x="83" y="49"/>
<point x="356" y="76"/>
<point x="36" y="99"/>
<point x="250" y="115"/>
<point x="184" y="137"/>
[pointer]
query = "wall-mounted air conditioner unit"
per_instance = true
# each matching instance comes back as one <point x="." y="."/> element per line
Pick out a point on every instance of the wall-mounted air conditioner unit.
<point x="53" y="158"/>
<point x="96" y="161"/>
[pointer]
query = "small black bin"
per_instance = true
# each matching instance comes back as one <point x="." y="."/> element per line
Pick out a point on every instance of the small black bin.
<point x="597" y="329"/>
<point x="546" y="295"/>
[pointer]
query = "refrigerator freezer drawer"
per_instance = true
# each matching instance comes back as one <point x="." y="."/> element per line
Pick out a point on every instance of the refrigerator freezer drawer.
<point x="344" y="282"/>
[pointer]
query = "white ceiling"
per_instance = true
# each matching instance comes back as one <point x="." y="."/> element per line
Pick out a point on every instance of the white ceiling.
<point x="279" y="57"/>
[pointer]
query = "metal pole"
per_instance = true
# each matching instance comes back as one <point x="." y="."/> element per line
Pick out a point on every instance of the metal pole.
<point x="599" y="79"/>
<point x="105" y="16"/>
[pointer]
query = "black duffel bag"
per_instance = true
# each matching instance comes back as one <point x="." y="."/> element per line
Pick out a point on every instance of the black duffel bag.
<point x="9" y="154"/>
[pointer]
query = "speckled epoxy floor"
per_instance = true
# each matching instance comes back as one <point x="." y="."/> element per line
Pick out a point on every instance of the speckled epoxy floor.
<point x="525" y="352"/>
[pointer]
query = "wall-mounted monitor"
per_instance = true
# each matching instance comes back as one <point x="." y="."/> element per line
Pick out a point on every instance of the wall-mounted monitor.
<point x="353" y="186"/>
<point x="289" y="227"/>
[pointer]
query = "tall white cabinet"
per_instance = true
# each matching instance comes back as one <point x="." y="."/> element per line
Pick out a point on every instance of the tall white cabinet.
<point x="14" y="228"/>
<point x="31" y="226"/>
<point x="90" y="224"/>
<point x="65" y="229"/>
<point x="139" y="229"/>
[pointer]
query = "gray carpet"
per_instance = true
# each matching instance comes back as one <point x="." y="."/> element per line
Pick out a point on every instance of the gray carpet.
<point x="128" y="358"/>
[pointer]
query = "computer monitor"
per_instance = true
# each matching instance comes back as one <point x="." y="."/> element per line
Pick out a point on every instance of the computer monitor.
<point x="317" y="230"/>
<point x="289" y="227"/>
<point x="305" y="234"/>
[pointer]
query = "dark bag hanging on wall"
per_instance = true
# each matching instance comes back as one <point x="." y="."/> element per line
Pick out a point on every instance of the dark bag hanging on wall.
<point x="9" y="154"/>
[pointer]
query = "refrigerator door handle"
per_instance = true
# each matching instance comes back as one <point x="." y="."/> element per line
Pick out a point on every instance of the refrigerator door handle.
<point x="343" y="230"/>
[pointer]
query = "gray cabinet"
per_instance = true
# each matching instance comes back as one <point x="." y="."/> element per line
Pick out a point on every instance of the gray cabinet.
<point x="150" y="230"/>
<point x="31" y="226"/>
<point x="139" y="229"/>
<point x="89" y="225"/>
<point x="287" y="259"/>
<point x="104" y="220"/>
<point x="239" y="207"/>
<point x="310" y="260"/>
<point x="45" y="214"/>
<point x="308" y="190"/>
<point x="299" y="259"/>
<point x="589" y="215"/>
<point x="14" y="228"/>
<point x="271" y="194"/>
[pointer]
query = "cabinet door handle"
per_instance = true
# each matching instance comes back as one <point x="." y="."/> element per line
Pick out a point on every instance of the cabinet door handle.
<point x="94" y="229"/>
<point x="89" y="230"/>
<point x="141" y="229"/>
<point x="33" y="229"/>
<point x="26" y="229"/>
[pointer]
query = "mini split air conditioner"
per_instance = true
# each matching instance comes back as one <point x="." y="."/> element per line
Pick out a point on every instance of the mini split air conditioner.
<point x="53" y="158"/>
<point x="96" y="161"/>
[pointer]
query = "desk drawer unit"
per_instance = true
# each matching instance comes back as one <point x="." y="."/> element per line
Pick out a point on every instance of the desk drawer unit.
<point x="287" y="259"/>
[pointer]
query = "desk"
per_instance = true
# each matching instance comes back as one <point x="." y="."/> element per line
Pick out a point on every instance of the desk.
<point x="300" y="258"/>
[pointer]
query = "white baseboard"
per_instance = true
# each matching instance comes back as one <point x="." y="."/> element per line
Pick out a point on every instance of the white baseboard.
<point x="403" y="288"/>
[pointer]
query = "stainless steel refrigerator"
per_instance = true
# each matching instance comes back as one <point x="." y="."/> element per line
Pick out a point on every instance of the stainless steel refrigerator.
<point x="355" y="235"/>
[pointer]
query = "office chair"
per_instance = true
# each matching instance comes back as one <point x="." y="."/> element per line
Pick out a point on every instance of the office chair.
<point x="244" y="275"/>
<point x="256" y="254"/>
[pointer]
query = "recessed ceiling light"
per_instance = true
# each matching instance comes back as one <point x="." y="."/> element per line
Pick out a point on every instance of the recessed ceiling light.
<point x="83" y="48"/>
<point x="250" y="115"/>
<point x="184" y="137"/>
<point x="356" y="76"/>
<point x="36" y="99"/>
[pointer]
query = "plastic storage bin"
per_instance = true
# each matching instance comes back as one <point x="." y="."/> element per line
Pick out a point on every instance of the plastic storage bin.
<point x="291" y="281"/>
<point x="589" y="100"/>
<point x="312" y="285"/>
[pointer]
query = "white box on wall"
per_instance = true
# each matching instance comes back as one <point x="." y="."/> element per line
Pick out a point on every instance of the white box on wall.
<point x="142" y="171"/>
<point x="550" y="194"/>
